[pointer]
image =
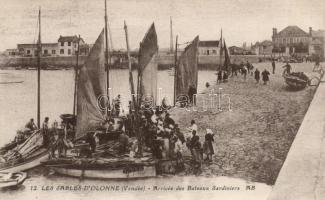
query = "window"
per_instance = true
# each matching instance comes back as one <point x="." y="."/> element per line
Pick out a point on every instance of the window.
<point x="69" y="44"/>
<point x="36" y="52"/>
<point x="53" y="52"/>
<point x="46" y="51"/>
<point x="61" y="51"/>
<point x="28" y="51"/>
<point x="69" y="51"/>
<point x="208" y="52"/>
<point x="214" y="51"/>
<point x="62" y="44"/>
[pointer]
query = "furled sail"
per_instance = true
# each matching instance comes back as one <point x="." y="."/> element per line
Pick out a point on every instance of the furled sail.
<point x="226" y="65"/>
<point x="91" y="86"/>
<point x="187" y="69"/>
<point x="148" y="67"/>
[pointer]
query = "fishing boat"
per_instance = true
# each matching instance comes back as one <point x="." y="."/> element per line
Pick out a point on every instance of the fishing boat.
<point x="91" y="83"/>
<point x="101" y="168"/>
<point x="8" y="179"/>
<point x="296" y="80"/>
<point x="29" y="152"/>
<point x="25" y="156"/>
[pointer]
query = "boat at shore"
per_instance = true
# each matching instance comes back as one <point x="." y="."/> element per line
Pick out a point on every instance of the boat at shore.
<point x="27" y="149"/>
<point x="296" y="80"/>
<point x="29" y="154"/>
<point x="8" y="179"/>
<point x="103" y="168"/>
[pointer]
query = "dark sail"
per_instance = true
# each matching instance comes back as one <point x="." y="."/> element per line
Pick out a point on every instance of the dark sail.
<point x="187" y="69"/>
<point x="226" y="65"/>
<point x="148" y="66"/>
<point x="91" y="85"/>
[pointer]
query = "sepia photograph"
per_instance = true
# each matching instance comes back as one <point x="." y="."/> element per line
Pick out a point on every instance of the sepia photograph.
<point x="174" y="99"/>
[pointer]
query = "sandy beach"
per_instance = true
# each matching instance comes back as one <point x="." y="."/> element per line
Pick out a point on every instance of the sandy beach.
<point x="253" y="139"/>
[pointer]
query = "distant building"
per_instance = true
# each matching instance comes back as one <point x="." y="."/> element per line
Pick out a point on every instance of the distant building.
<point x="209" y="48"/>
<point x="30" y="50"/>
<point x="291" y="41"/>
<point x="262" y="48"/>
<point x="317" y="45"/>
<point x="11" y="52"/>
<point x="68" y="45"/>
<point x="233" y="50"/>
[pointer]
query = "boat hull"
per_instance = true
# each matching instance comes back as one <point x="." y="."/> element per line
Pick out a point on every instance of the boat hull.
<point x="147" y="171"/>
<point x="29" y="163"/>
<point x="15" y="180"/>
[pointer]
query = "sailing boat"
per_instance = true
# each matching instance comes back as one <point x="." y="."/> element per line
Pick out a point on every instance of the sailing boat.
<point x="186" y="76"/>
<point x="17" y="157"/>
<point x="91" y="84"/>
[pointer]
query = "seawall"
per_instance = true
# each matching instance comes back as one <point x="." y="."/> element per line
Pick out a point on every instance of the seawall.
<point x="302" y="175"/>
<point x="165" y="61"/>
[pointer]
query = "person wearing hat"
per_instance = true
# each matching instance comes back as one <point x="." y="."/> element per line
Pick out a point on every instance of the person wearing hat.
<point x="193" y="127"/>
<point x="31" y="125"/>
<point x="208" y="146"/>
<point x="45" y="132"/>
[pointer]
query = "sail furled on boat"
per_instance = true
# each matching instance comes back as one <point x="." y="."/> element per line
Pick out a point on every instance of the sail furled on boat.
<point x="91" y="86"/>
<point x="226" y="64"/>
<point x="187" y="69"/>
<point x="148" y="67"/>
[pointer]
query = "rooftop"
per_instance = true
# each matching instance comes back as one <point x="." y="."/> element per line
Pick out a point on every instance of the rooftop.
<point x="69" y="39"/>
<point x="209" y="43"/>
<point x="292" y="31"/>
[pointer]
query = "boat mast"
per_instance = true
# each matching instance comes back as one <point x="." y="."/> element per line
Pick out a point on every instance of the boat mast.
<point x="76" y="78"/>
<point x="220" y="52"/>
<point x="175" y="73"/>
<point x="39" y="53"/>
<point x="107" y="64"/>
<point x="130" y="67"/>
<point x="135" y="105"/>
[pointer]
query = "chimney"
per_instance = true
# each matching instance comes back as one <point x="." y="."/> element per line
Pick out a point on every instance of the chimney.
<point x="310" y="31"/>
<point x="275" y="32"/>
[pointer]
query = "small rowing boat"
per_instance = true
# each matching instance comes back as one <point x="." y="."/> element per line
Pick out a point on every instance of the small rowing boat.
<point x="24" y="156"/>
<point x="8" y="179"/>
<point x="296" y="80"/>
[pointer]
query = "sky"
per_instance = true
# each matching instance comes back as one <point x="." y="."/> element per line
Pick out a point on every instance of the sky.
<point x="240" y="20"/>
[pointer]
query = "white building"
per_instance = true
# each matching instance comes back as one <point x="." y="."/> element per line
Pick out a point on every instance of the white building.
<point x="68" y="45"/>
<point x="209" y="48"/>
<point x="30" y="50"/>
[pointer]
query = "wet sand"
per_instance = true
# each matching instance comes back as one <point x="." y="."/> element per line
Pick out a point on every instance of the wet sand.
<point x="253" y="139"/>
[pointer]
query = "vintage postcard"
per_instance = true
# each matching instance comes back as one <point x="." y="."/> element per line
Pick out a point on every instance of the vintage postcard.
<point x="174" y="99"/>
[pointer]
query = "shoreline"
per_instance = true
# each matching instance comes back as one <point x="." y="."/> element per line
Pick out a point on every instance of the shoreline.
<point x="253" y="139"/>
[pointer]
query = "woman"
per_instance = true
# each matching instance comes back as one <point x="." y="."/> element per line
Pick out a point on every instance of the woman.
<point x="208" y="146"/>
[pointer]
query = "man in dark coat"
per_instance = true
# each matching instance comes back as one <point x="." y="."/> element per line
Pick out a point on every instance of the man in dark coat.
<point x="219" y="80"/>
<point x="265" y="76"/>
<point x="257" y="75"/>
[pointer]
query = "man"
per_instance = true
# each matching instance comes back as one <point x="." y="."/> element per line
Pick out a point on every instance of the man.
<point x="195" y="147"/>
<point x="123" y="143"/>
<point x="244" y="72"/>
<point x="287" y="69"/>
<point x="168" y="120"/>
<point x="257" y="75"/>
<point x="46" y="132"/>
<point x="191" y="94"/>
<point x="117" y="105"/>
<point x="265" y="76"/>
<point x="31" y="125"/>
<point x="219" y="80"/>
<point x="273" y="66"/>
